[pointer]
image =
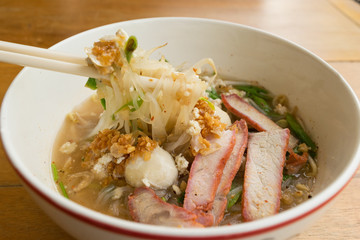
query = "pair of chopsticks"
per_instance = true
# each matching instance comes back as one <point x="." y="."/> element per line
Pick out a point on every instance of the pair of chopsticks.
<point x="29" y="56"/>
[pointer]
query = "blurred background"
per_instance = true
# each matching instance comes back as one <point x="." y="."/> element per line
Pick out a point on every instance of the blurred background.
<point x="328" y="28"/>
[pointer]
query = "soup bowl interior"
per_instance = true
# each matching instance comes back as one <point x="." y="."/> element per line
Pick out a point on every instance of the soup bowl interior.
<point x="37" y="102"/>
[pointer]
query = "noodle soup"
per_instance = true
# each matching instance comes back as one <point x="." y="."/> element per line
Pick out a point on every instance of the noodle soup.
<point x="180" y="147"/>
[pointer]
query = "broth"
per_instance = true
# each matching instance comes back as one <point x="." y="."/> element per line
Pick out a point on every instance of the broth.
<point x="104" y="195"/>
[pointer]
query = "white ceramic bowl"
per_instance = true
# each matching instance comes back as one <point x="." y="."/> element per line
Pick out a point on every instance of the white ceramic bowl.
<point x="37" y="101"/>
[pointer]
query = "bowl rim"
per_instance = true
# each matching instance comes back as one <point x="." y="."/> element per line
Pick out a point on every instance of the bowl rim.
<point x="130" y="228"/>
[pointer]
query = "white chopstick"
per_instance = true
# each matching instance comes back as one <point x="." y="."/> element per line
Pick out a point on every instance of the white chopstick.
<point x="46" y="59"/>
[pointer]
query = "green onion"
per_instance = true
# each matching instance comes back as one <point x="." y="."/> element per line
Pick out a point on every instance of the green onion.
<point x="129" y="105"/>
<point x="165" y="60"/>
<point x="56" y="178"/>
<point x="282" y="123"/>
<point x="163" y="198"/>
<point x="211" y="105"/>
<point x="103" y="103"/>
<point x="91" y="83"/>
<point x="63" y="190"/>
<point x="130" y="46"/>
<point x="54" y="171"/>
<point x="297" y="129"/>
<point x="286" y="177"/>
<point x="261" y="100"/>
<point x="213" y="94"/>
<point x="180" y="199"/>
<point x="254" y="91"/>
<point x="233" y="199"/>
<point x="234" y="195"/>
<point x="296" y="150"/>
<point x="262" y="104"/>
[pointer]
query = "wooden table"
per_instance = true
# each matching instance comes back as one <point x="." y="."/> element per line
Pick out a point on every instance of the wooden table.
<point x="329" y="28"/>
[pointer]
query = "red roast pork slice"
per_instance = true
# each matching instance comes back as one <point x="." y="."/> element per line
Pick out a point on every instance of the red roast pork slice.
<point x="146" y="207"/>
<point x="231" y="168"/>
<point x="239" y="107"/>
<point x="263" y="173"/>
<point x="204" y="178"/>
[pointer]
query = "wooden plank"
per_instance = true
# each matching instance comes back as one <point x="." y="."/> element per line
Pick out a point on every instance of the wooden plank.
<point x="342" y="220"/>
<point x="350" y="8"/>
<point x="351" y="72"/>
<point x="8" y="73"/>
<point x="329" y="28"/>
<point x="21" y="218"/>
<point x="317" y="25"/>
<point x="8" y="176"/>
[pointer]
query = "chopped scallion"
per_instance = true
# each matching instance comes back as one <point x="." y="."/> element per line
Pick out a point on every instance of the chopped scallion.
<point x="130" y="46"/>
<point x="180" y="199"/>
<point x="298" y="130"/>
<point x="91" y="83"/>
<point x="211" y="105"/>
<point x="233" y="199"/>
<point x="254" y="91"/>
<point x="103" y="103"/>
<point x="63" y="190"/>
<point x="54" y="172"/>
<point x="261" y="99"/>
<point x="262" y="104"/>
<point x="282" y="123"/>
<point x="56" y="178"/>
<point x="130" y="105"/>
<point x="234" y="195"/>
<point x="286" y="177"/>
<point x="213" y="94"/>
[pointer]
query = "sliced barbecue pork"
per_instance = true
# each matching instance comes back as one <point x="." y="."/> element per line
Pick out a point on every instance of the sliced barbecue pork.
<point x="204" y="178"/>
<point x="263" y="173"/>
<point x="231" y="168"/>
<point x="240" y="108"/>
<point x="146" y="207"/>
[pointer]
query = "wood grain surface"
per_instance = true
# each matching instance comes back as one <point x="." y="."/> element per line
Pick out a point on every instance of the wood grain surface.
<point x="329" y="28"/>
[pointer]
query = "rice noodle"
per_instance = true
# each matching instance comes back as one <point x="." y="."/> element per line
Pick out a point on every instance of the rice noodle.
<point x="152" y="94"/>
<point x="314" y="168"/>
<point x="115" y="197"/>
<point x="105" y="194"/>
